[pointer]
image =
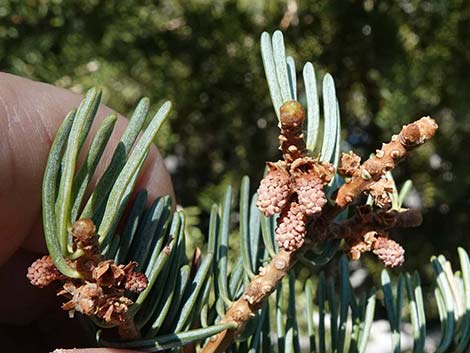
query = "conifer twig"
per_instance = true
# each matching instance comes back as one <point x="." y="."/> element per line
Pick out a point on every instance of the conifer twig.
<point x="245" y="308"/>
<point x="385" y="159"/>
<point x="282" y="176"/>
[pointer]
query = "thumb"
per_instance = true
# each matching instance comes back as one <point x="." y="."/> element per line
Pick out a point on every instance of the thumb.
<point x="30" y="115"/>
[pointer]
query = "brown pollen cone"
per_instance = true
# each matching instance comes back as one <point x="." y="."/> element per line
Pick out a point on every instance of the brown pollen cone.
<point x="389" y="251"/>
<point x="43" y="272"/>
<point x="274" y="189"/>
<point x="310" y="176"/>
<point x="310" y="193"/>
<point x="290" y="231"/>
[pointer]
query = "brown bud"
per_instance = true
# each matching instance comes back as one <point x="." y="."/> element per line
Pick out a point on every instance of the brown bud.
<point x="418" y="132"/>
<point x="427" y="126"/>
<point x="410" y="135"/>
<point x="84" y="230"/>
<point x="291" y="138"/>
<point x="292" y="114"/>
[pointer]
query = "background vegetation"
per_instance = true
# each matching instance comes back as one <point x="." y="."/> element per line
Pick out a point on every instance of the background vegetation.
<point x="393" y="61"/>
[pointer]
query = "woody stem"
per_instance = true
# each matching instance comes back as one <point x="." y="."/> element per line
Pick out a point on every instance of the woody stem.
<point x="245" y="308"/>
<point x="384" y="160"/>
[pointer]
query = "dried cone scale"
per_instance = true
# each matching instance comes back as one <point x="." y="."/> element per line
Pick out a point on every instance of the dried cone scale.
<point x="381" y="192"/>
<point x="358" y="247"/>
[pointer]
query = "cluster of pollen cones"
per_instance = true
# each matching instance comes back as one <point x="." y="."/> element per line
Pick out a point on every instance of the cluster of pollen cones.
<point x="101" y="290"/>
<point x="293" y="188"/>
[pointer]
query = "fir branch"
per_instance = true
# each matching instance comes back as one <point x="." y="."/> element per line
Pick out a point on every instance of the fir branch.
<point x="361" y="178"/>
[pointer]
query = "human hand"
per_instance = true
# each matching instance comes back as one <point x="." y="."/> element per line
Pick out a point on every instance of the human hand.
<point x="30" y="114"/>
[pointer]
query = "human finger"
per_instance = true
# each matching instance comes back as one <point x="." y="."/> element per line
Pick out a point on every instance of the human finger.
<point x="30" y="114"/>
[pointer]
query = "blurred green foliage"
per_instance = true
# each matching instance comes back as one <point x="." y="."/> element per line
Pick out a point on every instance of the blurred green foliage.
<point x="393" y="61"/>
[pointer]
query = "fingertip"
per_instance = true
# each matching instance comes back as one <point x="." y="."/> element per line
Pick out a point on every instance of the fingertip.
<point x="32" y="112"/>
<point x="155" y="177"/>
